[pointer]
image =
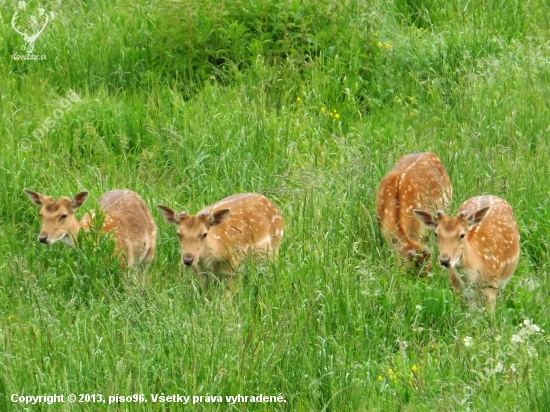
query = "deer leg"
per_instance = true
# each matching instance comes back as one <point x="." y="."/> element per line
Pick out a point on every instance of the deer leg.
<point x="204" y="280"/>
<point x="229" y="282"/>
<point x="456" y="282"/>
<point x="490" y="293"/>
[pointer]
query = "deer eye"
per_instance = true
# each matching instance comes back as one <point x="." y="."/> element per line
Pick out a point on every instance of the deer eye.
<point x="179" y="235"/>
<point x="461" y="236"/>
<point x="435" y="234"/>
<point x="203" y="235"/>
<point x="63" y="216"/>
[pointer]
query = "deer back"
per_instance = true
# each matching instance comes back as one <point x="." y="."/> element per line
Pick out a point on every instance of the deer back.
<point x="254" y="226"/>
<point x="418" y="181"/>
<point x="133" y="226"/>
<point x="492" y="245"/>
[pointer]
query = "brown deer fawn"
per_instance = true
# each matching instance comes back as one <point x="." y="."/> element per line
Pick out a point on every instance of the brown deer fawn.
<point x="220" y="236"/>
<point x="482" y="239"/>
<point x="418" y="181"/>
<point x="126" y="215"/>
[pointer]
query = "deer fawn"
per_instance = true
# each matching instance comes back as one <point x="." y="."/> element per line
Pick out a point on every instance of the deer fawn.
<point x="418" y="181"/>
<point x="126" y="214"/>
<point x="220" y="236"/>
<point x="482" y="239"/>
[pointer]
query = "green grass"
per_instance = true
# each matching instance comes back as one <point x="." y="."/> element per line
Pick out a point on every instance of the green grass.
<point x="310" y="103"/>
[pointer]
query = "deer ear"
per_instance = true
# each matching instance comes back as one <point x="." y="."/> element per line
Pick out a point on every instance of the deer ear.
<point x="169" y="215"/>
<point x="218" y="217"/>
<point x="426" y="218"/>
<point x="79" y="199"/>
<point x="476" y="217"/>
<point x="35" y="197"/>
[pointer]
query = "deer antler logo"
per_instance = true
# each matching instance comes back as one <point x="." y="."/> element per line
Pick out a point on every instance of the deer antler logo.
<point x="32" y="25"/>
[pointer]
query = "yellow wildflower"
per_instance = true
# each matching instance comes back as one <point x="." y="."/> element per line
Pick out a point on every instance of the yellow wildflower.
<point x="322" y="109"/>
<point x="337" y="115"/>
<point x="379" y="44"/>
<point x="387" y="45"/>
<point x="297" y="99"/>
<point x="415" y="368"/>
<point x="380" y="378"/>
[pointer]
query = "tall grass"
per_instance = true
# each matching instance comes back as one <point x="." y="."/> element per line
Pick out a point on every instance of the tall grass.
<point x="310" y="103"/>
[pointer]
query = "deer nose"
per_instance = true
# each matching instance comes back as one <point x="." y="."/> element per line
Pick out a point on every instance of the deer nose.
<point x="43" y="238"/>
<point x="188" y="259"/>
<point x="445" y="260"/>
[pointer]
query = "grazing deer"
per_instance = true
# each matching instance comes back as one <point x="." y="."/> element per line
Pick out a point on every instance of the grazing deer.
<point x="126" y="214"/>
<point x="220" y="236"/>
<point x="482" y="239"/>
<point x="418" y="181"/>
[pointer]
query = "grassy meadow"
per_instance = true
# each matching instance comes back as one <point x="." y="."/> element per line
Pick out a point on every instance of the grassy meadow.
<point x="310" y="103"/>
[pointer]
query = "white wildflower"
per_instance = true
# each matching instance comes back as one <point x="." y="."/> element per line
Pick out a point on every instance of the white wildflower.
<point x="498" y="338"/>
<point x="531" y="328"/>
<point x="513" y="368"/>
<point x="41" y="12"/>
<point x="516" y="339"/>
<point x="531" y="352"/>
<point x="22" y="5"/>
<point x="419" y="308"/>
<point x="403" y="344"/>
<point x="534" y="328"/>
<point x="468" y="341"/>
<point x="499" y="368"/>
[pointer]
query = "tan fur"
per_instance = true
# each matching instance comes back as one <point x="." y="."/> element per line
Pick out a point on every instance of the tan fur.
<point x="220" y="236"/>
<point x="126" y="215"/>
<point x="482" y="239"/>
<point x="418" y="181"/>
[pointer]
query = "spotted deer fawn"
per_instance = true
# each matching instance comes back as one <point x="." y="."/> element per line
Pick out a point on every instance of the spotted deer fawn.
<point x="418" y="181"/>
<point x="482" y="239"/>
<point x="220" y="236"/>
<point x="126" y="215"/>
